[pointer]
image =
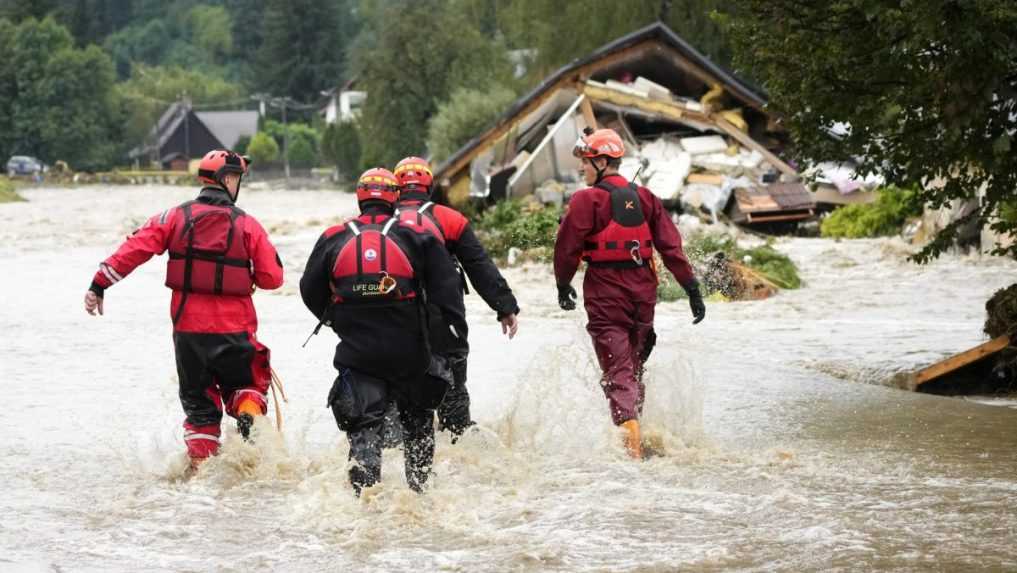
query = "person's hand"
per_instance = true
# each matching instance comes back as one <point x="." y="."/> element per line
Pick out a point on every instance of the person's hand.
<point x="93" y="302"/>
<point x="509" y="325"/>
<point x="696" y="304"/>
<point x="567" y="297"/>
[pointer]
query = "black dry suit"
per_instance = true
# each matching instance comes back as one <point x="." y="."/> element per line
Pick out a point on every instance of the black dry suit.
<point x="370" y="279"/>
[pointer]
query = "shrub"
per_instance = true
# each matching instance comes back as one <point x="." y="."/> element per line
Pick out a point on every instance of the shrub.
<point x="263" y="149"/>
<point x="882" y="218"/>
<point x="775" y="266"/>
<point x="530" y="228"/>
<point x="340" y="145"/>
<point x="301" y="152"/>
<point x="243" y="142"/>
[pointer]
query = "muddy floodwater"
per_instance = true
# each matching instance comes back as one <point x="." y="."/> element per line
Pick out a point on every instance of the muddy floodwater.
<point x="782" y="450"/>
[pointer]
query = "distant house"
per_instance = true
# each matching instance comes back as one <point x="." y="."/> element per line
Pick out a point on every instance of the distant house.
<point x="342" y="103"/>
<point x="182" y="134"/>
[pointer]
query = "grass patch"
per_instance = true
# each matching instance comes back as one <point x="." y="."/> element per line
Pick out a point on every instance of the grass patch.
<point x="7" y="192"/>
<point x="885" y="217"/>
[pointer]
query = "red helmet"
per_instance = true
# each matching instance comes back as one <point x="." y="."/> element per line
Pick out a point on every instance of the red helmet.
<point x="413" y="171"/>
<point x="219" y="162"/>
<point x="599" y="143"/>
<point x="378" y="184"/>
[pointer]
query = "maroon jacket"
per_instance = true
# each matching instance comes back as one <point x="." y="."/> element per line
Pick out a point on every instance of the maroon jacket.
<point x="202" y="312"/>
<point x="588" y="212"/>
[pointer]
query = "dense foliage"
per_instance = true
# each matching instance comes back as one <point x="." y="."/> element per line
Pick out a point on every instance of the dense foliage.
<point x="340" y="145"/>
<point x="529" y="227"/>
<point x="440" y="69"/>
<point x="885" y="217"/>
<point x="467" y="113"/>
<point x="927" y="91"/>
<point x="57" y="101"/>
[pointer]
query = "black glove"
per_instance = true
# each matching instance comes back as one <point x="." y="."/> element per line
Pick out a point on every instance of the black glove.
<point x="567" y="297"/>
<point x="696" y="303"/>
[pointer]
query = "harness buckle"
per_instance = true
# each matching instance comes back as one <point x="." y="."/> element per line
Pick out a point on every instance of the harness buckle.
<point x="634" y="253"/>
<point x="387" y="284"/>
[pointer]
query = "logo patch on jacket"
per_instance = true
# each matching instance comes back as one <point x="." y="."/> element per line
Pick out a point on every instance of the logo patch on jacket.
<point x="370" y="254"/>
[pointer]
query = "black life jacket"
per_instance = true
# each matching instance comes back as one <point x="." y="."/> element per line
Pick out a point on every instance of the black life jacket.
<point x="626" y="242"/>
<point x="373" y="267"/>
<point x="208" y="255"/>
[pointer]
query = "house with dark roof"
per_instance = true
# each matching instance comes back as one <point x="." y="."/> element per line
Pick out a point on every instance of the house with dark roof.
<point x="648" y="85"/>
<point x="182" y="134"/>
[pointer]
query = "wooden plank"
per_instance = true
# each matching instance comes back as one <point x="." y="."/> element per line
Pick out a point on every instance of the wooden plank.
<point x="587" y="109"/>
<point x="708" y="178"/>
<point x="764" y="218"/>
<point x="746" y="140"/>
<point x="963" y="359"/>
<point x="666" y="109"/>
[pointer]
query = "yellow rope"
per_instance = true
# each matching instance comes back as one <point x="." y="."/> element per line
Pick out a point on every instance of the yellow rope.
<point x="276" y="382"/>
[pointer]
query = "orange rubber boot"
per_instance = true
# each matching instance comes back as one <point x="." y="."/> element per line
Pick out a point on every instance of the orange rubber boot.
<point x="247" y="411"/>
<point x="632" y="439"/>
<point x="249" y="407"/>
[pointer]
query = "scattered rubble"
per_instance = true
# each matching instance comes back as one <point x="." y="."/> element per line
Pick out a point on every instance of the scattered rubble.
<point x="697" y="136"/>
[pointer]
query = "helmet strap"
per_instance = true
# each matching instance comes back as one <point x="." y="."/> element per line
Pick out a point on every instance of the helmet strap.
<point x="600" y="172"/>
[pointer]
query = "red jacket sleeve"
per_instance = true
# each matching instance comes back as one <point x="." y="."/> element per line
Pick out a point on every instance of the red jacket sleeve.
<point x="668" y="242"/>
<point x="575" y="226"/>
<point x="268" y="268"/>
<point x="151" y="239"/>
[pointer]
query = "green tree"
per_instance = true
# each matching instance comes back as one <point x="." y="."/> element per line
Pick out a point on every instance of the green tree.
<point x="247" y="24"/>
<point x="340" y="145"/>
<point x="263" y="149"/>
<point x="143" y="43"/>
<point x="563" y="31"/>
<point x="63" y="105"/>
<point x="929" y="92"/>
<point x="301" y="54"/>
<point x="463" y="116"/>
<point x="211" y="30"/>
<point x="150" y="90"/>
<point x="404" y="85"/>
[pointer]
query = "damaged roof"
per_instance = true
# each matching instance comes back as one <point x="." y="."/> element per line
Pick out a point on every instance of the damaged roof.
<point x="640" y="53"/>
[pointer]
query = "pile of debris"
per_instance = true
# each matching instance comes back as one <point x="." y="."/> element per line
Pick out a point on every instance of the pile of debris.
<point x="699" y="137"/>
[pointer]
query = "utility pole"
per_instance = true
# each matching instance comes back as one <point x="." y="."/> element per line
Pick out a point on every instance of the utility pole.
<point x="284" y="103"/>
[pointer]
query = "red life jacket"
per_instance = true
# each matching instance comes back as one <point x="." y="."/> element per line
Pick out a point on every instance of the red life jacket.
<point x="626" y="242"/>
<point x="372" y="266"/>
<point x="423" y="216"/>
<point x="208" y="255"/>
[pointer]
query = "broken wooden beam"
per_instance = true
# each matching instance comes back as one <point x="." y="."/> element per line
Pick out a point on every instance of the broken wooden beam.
<point x="958" y="361"/>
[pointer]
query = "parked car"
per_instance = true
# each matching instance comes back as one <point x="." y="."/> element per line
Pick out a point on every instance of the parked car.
<point x="24" y="165"/>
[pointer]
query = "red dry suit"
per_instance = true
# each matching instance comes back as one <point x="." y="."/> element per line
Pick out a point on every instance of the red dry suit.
<point x="620" y="295"/>
<point x="219" y="359"/>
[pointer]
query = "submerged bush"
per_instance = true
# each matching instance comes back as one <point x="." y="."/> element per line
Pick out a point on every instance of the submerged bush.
<point x="885" y="217"/>
<point x="773" y="265"/>
<point x="531" y="228"/>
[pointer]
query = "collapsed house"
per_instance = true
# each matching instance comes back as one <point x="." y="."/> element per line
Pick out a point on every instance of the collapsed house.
<point x="698" y="136"/>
